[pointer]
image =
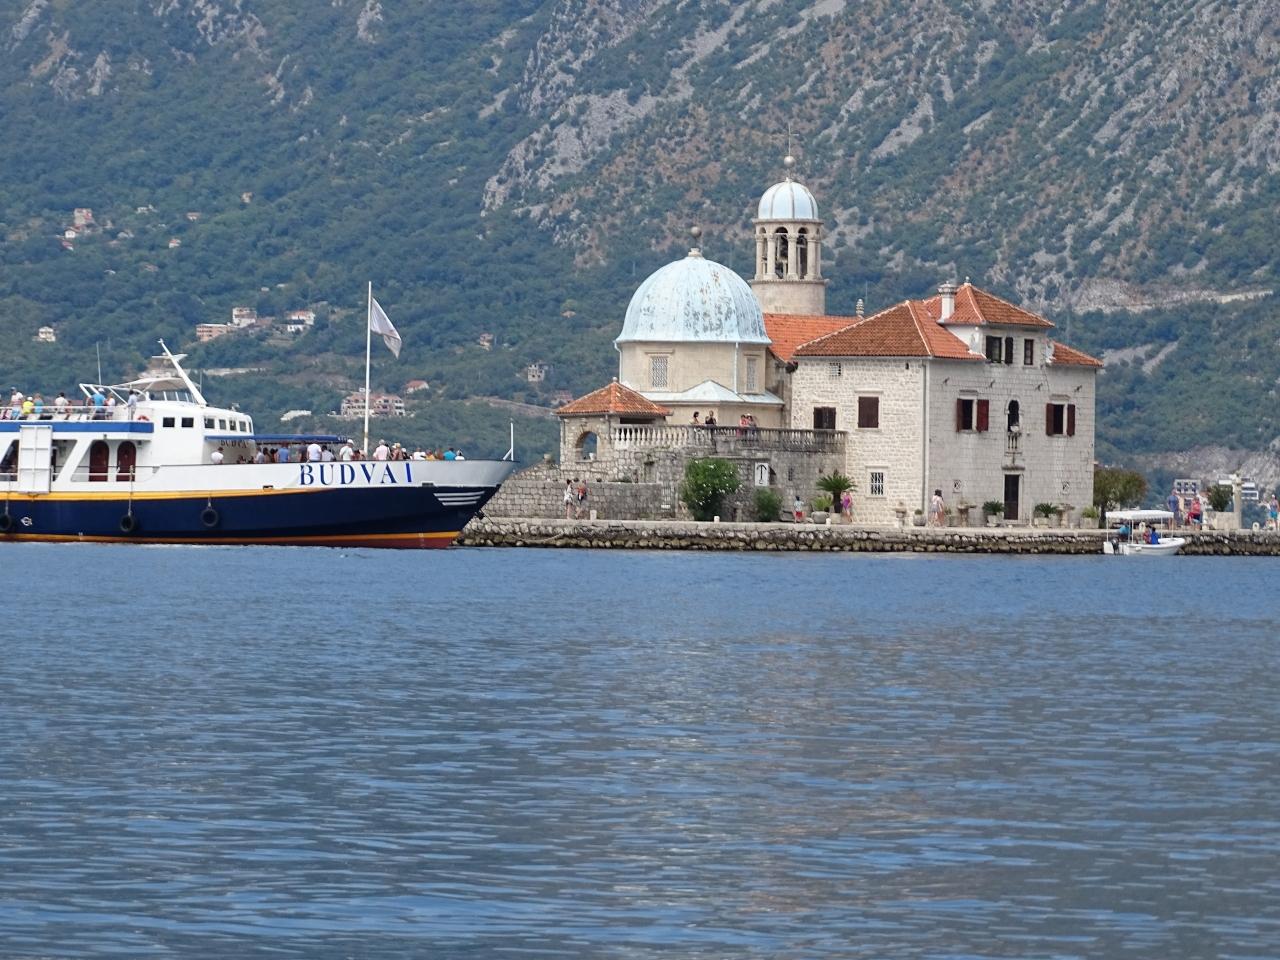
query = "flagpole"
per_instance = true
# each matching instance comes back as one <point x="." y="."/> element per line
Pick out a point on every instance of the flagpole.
<point x="368" y="343"/>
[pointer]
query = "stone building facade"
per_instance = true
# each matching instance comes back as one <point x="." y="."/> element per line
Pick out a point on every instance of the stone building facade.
<point x="962" y="392"/>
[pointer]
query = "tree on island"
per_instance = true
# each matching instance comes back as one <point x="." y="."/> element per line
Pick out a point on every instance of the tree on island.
<point x="706" y="483"/>
<point x="1114" y="488"/>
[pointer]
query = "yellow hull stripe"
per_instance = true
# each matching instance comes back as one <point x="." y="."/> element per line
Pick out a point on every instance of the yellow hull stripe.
<point x="446" y="536"/>
<point x="169" y="494"/>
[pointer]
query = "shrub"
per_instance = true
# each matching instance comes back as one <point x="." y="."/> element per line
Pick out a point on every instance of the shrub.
<point x="1090" y="512"/>
<point x="1045" y="510"/>
<point x="822" y="502"/>
<point x="993" y="508"/>
<point x="1219" y="497"/>
<point x="706" y="483"/>
<point x="766" y="505"/>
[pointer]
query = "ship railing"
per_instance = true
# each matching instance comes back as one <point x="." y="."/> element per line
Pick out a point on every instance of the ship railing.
<point x="72" y="412"/>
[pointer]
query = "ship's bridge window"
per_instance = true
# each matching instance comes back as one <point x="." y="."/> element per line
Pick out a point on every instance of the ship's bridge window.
<point x="167" y="422"/>
<point x="208" y="423"/>
<point x="222" y="423"/>
<point x="188" y="421"/>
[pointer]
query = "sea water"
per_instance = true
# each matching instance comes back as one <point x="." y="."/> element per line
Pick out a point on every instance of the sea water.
<point x="312" y="753"/>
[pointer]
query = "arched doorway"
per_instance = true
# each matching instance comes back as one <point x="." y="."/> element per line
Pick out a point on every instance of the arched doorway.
<point x="99" y="460"/>
<point x="586" y="446"/>
<point x="126" y="458"/>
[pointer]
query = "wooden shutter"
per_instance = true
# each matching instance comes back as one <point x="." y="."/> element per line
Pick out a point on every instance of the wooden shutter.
<point x="1071" y="419"/>
<point x="1048" y="419"/>
<point x="984" y="415"/>
<point x="959" y="415"/>
<point x="1008" y="349"/>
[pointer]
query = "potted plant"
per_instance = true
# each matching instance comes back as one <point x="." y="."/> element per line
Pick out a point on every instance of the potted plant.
<point x="1220" y="502"/>
<point x="1089" y="518"/>
<point x="836" y="484"/>
<point x="918" y="519"/>
<point x="993" y="511"/>
<point x="821" y="508"/>
<point x="1041" y="514"/>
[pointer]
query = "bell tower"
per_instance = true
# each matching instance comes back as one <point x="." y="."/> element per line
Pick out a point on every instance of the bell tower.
<point x="788" y="235"/>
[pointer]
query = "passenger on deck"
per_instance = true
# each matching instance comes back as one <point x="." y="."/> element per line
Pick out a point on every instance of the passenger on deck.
<point x="326" y="455"/>
<point x="260" y="456"/>
<point x="28" y="408"/>
<point x="450" y="455"/>
<point x="216" y="456"/>
<point x="380" y="452"/>
<point x="15" y="404"/>
<point x="39" y="407"/>
<point x="132" y="404"/>
<point x="61" y="405"/>
<point x="313" y="452"/>
<point x="99" y="401"/>
<point x="282" y="454"/>
<point x="346" y="453"/>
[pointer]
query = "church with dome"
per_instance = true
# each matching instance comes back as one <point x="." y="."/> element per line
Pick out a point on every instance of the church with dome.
<point x="937" y="394"/>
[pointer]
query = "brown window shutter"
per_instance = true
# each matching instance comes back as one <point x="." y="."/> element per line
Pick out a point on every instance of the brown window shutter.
<point x="984" y="415"/>
<point x="959" y="415"/>
<point x="1071" y="419"/>
<point x="1048" y="419"/>
<point x="1008" y="349"/>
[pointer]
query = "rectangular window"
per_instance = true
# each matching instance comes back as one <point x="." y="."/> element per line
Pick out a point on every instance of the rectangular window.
<point x="995" y="349"/>
<point x="208" y="423"/>
<point x="824" y="418"/>
<point x="753" y="365"/>
<point x="834" y="370"/>
<point x="868" y="413"/>
<point x="1028" y="353"/>
<point x="222" y="424"/>
<point x="658" y="372"/>
<point x="876" y="484"/>
<point x="965" y="412"/>
<point x="1060" y="419"/>
<point x="167" y="422"/>
<point x="188" y="422"/>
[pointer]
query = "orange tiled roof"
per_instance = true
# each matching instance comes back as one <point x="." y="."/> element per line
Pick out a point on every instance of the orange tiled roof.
<point x="615" y="399"/>
<point x="789" y="330"/>
<point x="903" y="330"/>
<point x="974" y="306"/>
<point x="1069" y="356"/>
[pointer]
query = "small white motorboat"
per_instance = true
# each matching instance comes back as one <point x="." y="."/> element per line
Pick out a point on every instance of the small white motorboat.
<point x="1137" y="533"/>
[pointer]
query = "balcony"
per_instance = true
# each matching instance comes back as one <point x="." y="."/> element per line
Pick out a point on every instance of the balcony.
<point x="727" y="441"/>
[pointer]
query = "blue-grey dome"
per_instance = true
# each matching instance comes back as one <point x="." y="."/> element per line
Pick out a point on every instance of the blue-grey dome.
<point x="788" y="200"/>
<point x="694" y="299"/>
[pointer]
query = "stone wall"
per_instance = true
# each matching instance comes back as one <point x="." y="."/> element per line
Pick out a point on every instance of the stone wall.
<point x="690" y="535"/>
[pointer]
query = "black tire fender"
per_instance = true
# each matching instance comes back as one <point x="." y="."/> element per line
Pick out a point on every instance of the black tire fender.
<point x="128" y="523"/>
<point x="6" y="523"/>
<point x="209" y="517"/>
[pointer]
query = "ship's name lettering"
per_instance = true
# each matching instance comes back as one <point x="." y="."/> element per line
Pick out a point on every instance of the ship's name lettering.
<point x="354" y="474"/>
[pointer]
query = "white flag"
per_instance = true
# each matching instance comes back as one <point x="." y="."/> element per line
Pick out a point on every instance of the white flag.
<point x="379" y="324"/>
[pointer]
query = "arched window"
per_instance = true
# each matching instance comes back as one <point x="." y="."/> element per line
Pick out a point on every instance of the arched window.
<point x="99" y="460"/>
<point x="1013" y="415"/>
<point x="781" y="252"/>
<point x="586" y="446"/>
<point x="802" y="254"/>
<point x="126" y="457"/>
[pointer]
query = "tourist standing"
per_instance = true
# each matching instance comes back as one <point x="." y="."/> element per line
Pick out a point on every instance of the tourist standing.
<point x="937" y="509"/>
<point x="346" y="453"/>
<point x="568" y="499"/>
<point x="216" y="456"/>
<point x="380" y="452"/>
<point x="846" y="506"/>
<point x="582" y="499"/>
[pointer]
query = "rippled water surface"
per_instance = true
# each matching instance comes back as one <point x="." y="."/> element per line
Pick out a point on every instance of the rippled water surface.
<point x="496" y="753"/>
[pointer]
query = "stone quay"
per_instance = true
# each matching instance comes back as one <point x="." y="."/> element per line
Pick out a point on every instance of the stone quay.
<point x="692" y="535"/>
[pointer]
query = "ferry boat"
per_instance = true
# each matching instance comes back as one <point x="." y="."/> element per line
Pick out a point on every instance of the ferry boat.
<point x="143" y="471"/>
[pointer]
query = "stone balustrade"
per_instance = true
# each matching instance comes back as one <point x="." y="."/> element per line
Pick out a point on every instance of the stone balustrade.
<point x="726" y="440"/>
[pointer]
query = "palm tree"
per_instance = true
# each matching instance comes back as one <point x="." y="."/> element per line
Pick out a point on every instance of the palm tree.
<point x="835" y="483"/>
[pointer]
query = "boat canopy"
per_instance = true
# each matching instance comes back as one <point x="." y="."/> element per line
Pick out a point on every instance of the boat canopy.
<point x="1139" y="516"/>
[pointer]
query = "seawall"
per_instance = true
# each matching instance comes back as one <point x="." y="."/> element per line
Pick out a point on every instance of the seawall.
<point x="690" y="535"/>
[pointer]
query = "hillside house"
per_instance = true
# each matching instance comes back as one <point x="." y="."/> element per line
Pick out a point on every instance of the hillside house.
<point x="46" y="335"/>
<point x="380" y="405"/>
<point x="211" y="331"/>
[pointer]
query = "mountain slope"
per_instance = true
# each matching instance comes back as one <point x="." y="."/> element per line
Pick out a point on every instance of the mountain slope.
<point x="517" y="171"/>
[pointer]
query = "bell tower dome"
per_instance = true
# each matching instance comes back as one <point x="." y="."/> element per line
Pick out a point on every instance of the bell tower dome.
<point x="788" y="235"/>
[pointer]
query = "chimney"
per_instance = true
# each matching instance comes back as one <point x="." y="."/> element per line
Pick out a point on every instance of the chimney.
<point x="860" y="306"/>
<point x="948" y="291"/>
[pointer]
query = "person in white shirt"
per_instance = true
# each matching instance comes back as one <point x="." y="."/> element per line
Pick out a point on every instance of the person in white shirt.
<point x="419" y="455"/>
<point x="381" y="452"/>
<point x="216" y="456"/>
<point x="313" y="452"/>
<point x="133" y="404"/>
<point x="61" y="404"/>
<point x="326" y="455"/>
<point x="346" y="453"/>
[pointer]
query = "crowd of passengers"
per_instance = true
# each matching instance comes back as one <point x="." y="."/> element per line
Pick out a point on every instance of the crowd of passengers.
<point x="99" y="404"/>
<point x="315" y="452"/>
